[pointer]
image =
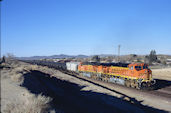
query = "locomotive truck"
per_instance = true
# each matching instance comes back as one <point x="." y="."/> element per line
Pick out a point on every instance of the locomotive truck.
<point x="136" y="75"/>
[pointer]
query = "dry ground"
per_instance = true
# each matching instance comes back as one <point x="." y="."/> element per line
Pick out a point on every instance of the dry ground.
<point x="164" y="73"/>
<point x="37" y="89"/>
<point x="16" y="99"/>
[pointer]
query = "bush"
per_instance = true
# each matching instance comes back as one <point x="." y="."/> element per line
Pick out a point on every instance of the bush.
<point x="31" y="104"/>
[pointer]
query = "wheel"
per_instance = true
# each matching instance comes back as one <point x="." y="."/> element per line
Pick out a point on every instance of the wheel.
<point x="137" y="87"/>
<point x="143" y="85"/>
<point x="127" y="83"/>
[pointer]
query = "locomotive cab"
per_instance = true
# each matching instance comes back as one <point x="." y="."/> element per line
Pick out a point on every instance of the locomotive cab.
<point x="141" y="70"/>
<point x="142" y="73"/>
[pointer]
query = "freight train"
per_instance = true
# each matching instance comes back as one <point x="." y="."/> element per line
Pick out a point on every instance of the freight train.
<point x="135" y="75"/>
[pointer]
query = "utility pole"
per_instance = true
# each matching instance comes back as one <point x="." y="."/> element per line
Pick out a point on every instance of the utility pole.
<point x="119" y="53"/>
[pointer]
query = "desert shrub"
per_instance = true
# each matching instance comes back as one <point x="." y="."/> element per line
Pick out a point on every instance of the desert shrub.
<point x="16" y="74"/>
<point x="28" y="102"/>
<point x="34" y="67"/>
<point x="4" y="74"/>
<point x="31" y="104"/>
<point x="38" y="104"/>
<point x="31" y="67"/>
<point x="95" y="58"/>
<point x="17" y="78"/>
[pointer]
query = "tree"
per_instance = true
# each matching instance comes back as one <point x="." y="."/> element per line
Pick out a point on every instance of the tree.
<point x="132" y="57"/>
<point x="110" y="59"/>
<point x="146" y="59"/>
<point x="10" y="56"/>
<point x="138" y="59"/>
<point x="152" y="57"/>
<point x="163" y="60"/>
<point x="96" y="58"/>
<point x="3" y="59"/>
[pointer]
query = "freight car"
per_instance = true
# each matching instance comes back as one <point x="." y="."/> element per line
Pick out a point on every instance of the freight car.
<point x="56" y="65"/>
<point x="136" y="75"/>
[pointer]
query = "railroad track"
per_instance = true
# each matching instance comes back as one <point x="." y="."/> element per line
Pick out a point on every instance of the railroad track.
<point x="160" y="92"/>
<point x="165" y="93"/>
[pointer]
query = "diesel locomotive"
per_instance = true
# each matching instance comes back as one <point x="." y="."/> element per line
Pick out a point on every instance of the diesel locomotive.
<point x="136" y="75"/>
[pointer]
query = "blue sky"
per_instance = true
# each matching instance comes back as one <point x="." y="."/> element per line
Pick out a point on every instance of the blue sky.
<point x="48" y="27"/>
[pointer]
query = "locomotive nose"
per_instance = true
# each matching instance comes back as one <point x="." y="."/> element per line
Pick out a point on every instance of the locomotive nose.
<point x="148" y="71"/>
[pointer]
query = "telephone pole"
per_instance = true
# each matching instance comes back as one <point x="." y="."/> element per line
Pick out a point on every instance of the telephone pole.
<point x="119" y="46"/>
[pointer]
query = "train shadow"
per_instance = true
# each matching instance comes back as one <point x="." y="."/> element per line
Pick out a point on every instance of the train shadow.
<point x="161" y="84"/>
<point x="72" y="98"/>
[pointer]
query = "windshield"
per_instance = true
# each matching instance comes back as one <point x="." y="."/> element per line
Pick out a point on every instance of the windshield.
<point x="138" y="67"/>
<point x="145" y="67"/>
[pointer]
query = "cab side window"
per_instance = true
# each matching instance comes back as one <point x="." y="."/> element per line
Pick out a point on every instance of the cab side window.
<point x="145" y="67"/>
<point x="131" y="68"/>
